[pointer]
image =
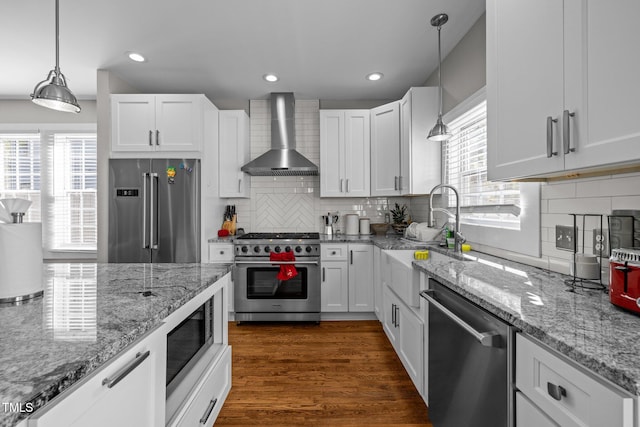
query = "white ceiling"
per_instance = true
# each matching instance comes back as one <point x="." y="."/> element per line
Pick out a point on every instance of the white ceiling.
<point x="321" y="49"/>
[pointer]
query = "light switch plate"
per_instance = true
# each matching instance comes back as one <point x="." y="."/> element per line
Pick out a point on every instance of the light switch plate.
<point x="565" y="237"/>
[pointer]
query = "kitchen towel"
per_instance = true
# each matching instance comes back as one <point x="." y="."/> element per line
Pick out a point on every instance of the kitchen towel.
<point x="287" y="271"/>
<point x="20" y="259"/>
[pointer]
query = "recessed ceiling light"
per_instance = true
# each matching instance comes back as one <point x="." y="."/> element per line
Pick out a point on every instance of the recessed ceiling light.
<point x="135" y="57"/>
<point x="271" y="78"/>
<point x="374" y="76"/>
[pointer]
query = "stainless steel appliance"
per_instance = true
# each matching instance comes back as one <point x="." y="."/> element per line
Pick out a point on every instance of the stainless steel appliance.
<point x="470" y="365"/>
<point x="154" y="210"/>
<point x="259" y="294"/>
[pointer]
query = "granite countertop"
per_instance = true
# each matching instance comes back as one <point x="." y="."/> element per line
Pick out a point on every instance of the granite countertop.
<point x="88" y="314"/>
<point x="583" y="325"/>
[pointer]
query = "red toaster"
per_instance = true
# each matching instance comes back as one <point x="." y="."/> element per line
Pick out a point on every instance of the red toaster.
<point x="624" y="278"/>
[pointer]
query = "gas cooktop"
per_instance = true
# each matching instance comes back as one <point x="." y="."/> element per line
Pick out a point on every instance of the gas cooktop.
<point x="279" y="236"/>
<point x="262" y="244"/>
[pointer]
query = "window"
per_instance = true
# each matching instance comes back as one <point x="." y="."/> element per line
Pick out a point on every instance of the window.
<point x="486" y="203"/>
<point x="504" y="215"/>
<point x="57" y="170"/>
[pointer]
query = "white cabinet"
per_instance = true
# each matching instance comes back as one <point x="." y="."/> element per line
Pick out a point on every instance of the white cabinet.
<point x="344" y="153"/>
<point x="420" y="159"/>
<point x="115" y="395"/>
<point x="562" y="99"/>
<point x="385" y="150"/>
<point x="378" y="281"/>
<point x="347" y="277"/>
<point x="568" y="394"/>
<point x="528" y="415"/>
<point x="148" y="123"/>
<point x="405" y="331"/>
<point x="233" y="150"/>
<point x="222" y="253"/>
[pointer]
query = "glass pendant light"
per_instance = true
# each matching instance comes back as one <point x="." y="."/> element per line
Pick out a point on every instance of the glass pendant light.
<point x="440" y="132"/>
<point x="53" y="91"/>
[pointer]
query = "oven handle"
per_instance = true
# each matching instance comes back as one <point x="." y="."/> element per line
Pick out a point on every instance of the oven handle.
<point x="279" y="262"/>
<point x="487" y="339"/>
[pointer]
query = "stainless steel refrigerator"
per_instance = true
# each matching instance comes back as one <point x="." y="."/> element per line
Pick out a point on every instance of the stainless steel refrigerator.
<point x="154" y="210"/>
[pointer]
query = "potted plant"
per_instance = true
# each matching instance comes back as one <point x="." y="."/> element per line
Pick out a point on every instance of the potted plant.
<point x="399" y="216"/>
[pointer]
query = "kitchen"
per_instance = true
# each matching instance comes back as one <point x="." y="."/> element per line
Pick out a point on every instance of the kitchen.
<point x="269" y="205"/>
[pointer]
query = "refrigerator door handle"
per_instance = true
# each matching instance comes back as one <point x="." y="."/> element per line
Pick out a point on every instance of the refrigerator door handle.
<point x="153" y="220"/>
<point x="145" y="245"/>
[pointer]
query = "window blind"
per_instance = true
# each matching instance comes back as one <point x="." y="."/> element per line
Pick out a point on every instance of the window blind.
<point x="465" y="160"/>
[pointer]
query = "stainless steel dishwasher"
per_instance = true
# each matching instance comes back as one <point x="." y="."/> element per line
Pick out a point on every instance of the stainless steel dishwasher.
<point x="470" y="367"/>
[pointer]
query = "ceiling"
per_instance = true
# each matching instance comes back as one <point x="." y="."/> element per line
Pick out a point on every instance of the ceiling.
<point x="320" y="49"/>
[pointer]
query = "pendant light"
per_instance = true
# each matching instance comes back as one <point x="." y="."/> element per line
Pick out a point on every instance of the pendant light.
<point x="440" y="131"/>
<point x="53" y="91"/>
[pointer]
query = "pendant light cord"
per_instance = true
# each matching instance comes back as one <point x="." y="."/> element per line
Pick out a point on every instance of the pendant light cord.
<point x="57" y="39"/>
<point x="439" y="73"/>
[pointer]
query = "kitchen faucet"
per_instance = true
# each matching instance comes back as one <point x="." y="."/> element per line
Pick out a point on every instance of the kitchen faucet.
<point x="457" y="236"/>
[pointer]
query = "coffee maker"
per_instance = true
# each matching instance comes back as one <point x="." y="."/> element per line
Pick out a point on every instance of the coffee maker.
<point x="328" y="221"/>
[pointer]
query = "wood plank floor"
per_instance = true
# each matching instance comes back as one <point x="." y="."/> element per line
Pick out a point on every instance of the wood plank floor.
<point x="331" y="374"/>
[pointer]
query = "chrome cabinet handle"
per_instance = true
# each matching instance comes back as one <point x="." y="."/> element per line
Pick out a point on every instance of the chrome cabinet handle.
<point x="393" y="314"/>
<point x="487" y="339"/>
<point x="395" y="182"/>
<point x="351" y="257"/>
<point x="122" y="373"/>
<point x="397" y="316"/>
<point x="323" y="275"/>
<point x="157" y="137"/>
<point x="556" y="391"/>
<point x="550" y="122"/>
<point x="144" y="209"/>
<point x="567" y="131"/>
<point x="347" y="186"/>
<point x="150" y="137"/>
<point x="341" y="181"/>
<point x="221" y="252"/>
<point x="208" y="411"/>
<point x="333" y="252"/>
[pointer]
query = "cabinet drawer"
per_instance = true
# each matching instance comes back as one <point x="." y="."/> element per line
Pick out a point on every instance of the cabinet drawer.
<point x="528" y="415"/>
<point x="220" y="252"/>
<point x="208" y="396"/>
<point x="570" y="395"/>
<point x="334" y="252"/>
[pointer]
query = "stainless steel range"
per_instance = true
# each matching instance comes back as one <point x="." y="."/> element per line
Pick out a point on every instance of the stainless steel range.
<point x="264" y="289"/>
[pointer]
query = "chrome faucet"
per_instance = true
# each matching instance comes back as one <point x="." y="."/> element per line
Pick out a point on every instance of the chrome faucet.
<point x="457" y="236"/>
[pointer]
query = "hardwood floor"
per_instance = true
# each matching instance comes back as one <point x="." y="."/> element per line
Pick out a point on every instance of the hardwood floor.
<point x="334" y="373"/>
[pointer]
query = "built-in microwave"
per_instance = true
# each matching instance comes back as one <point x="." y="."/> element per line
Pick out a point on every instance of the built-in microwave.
<point x="188" y="351"/>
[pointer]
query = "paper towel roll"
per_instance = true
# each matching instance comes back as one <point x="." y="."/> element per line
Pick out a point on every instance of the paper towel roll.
<point x="20" y="259"/>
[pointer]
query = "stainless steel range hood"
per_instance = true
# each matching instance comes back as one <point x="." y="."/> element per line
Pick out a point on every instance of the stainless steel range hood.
<point x="282" y="158"/>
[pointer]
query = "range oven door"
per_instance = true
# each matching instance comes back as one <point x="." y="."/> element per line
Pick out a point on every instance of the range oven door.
<point x="261" y="296"/>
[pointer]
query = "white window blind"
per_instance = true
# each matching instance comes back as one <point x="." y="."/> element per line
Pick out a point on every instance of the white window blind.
<point x="20" y="176"/>
<point x="465" y="159"/>
<point x="58" y="172"/>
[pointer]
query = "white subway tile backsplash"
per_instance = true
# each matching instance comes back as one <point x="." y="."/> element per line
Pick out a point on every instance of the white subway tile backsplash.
<point x="558" y="191"/>
<point x="591" y="205"/>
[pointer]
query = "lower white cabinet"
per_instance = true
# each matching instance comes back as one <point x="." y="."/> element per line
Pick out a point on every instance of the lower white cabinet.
<point x="528" y="415"/>
<point x="129" y="391"/>
<point x="405" y="331"/>
<point x="208" y="396"/>
<point x="222" y="253"/>
<point x="377" y="281"/>
<point x="347" y="277"/>
<point x="566" y="393"/>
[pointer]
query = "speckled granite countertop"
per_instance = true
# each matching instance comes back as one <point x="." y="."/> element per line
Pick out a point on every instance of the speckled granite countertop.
<point x="88" y="314"/>
<point x="582" y="325"/>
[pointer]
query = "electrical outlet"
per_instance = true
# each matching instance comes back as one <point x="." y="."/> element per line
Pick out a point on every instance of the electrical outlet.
<point x="565" y="237"/>
<point x="600" y="242"/>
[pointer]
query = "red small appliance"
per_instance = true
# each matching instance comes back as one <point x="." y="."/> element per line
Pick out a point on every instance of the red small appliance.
<point x="624" y="278"/>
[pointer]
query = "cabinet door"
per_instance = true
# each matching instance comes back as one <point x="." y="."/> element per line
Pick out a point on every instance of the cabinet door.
<point x="360" y="277"/>
<point x="357" y="153"/>
<point x="335" y="286"/>
<point x="233" y="152"/>
<point x="411" y="345"/>
<point x="390" y="313"/>
<point x="385" y="150"/>
<point x="133" y="122"/>
<point x="179" y="121"/>
<point x="525" y="86"/>
<point x="377" y="281"/>
<point x="332" y="153"/>
<point x="601" y="83"/>
<point x="528" y="415"/>
<point x="136" y="400"/>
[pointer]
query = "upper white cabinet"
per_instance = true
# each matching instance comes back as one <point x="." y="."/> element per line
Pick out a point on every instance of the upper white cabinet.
<point x="148" y="123"/>
<point x="344" y="153"/>
<point x="385" y="150"/>
<point x="420" y="159"/>
<point x="233" y="153"/>
<point x="562" y="97"/>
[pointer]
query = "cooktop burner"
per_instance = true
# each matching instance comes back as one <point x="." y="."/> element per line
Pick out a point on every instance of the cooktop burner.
<point x="262" y="236"/>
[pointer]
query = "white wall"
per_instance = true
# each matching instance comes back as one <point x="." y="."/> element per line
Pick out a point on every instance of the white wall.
<point x="24" y="111"/>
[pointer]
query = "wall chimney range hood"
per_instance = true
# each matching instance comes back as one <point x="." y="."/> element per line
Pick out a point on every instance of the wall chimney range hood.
<point x="282" y="159"/>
